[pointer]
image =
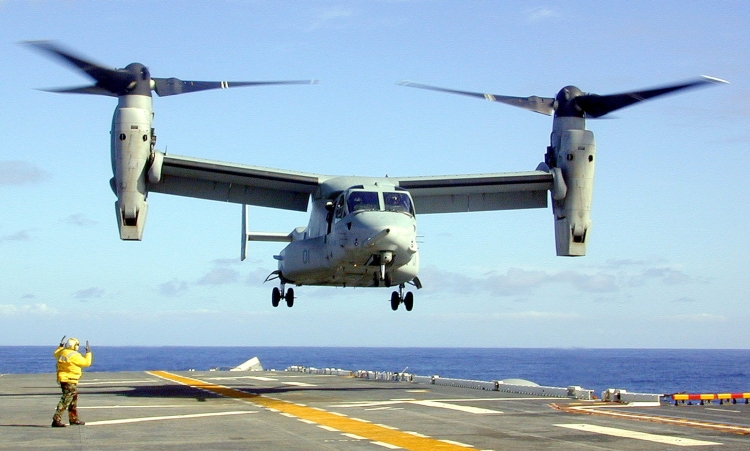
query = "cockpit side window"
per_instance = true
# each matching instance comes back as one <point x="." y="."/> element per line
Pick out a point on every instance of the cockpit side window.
<point x="363" y="201"/>
<point x="339" y="209"/>
<point x="398" y="202"/>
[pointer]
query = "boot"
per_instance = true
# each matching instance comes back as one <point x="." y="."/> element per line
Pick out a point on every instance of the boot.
<point x="77" y="422"/>
<point x="57" y="423"/>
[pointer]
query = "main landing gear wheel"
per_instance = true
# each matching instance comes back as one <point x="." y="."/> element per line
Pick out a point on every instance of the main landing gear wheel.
<point x="277" y="296"/>
<point x="409" y="301"/>
<point x="398" y="297"/>
<point x="395" y="300"/>
<point x="289" y="297"/>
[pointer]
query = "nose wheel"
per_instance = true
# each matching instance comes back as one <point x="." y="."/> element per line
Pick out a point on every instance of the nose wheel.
<point x="398" y="297"/>
<point x="278" y="294"/>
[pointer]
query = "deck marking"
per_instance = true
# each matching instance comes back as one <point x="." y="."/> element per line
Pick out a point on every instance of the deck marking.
<point x="169" y="417"/>
<point x="354" y="436"/>
<point x="428" y="403"/>
<point x="299" y="384"/>
<point x="257" y="378"/>
<point x="115" y="382"/>
<point x="166" y="406"/>
<point x="665" y="439"/>
<point x="382" y="436"/>
<point x="416" y="433"/>
<point x="386" y="445"/>
<point x="453" y="442"/>
<point x="467" y="409"/>
<point x="603" y="410"/>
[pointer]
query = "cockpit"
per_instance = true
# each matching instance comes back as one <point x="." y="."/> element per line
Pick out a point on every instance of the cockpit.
<point x="356" y="200"/>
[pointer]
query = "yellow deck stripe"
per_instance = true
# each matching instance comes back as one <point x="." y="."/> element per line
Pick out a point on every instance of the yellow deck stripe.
<point x="369" y="431"/>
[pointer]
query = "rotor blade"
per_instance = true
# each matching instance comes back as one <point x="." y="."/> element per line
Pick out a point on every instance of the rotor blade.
<point x="83" y="90"/>
<point x="112" y="80"/>
<point x="596" y="106"/>
<point x="543" y="105"/>
<point x="173" y="86"/>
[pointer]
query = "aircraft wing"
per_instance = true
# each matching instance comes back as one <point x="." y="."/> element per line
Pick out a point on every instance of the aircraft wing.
<point x="236" y="183"/>
<point x="478" y="192"/>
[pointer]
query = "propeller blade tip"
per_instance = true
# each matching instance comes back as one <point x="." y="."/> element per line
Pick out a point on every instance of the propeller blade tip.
<point x="714" y="79"/>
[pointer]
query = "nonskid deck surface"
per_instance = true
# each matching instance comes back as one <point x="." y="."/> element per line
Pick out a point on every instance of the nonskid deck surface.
<point x="295" y="411"/>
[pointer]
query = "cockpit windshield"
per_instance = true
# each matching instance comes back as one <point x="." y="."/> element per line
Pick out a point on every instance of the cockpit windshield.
<point x="363" y="201"/>
<point x="398" y="202"/>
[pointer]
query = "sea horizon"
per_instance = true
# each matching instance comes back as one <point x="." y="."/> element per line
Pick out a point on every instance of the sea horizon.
<point x="645" y="370"/>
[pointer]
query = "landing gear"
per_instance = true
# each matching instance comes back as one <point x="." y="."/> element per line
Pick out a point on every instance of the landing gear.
<point x="289" y="297"/>
<point x="398" y="297"/>
<point x="277" y="296"/>
<point x="395" y="300"/>
<point x="409" y="301"/>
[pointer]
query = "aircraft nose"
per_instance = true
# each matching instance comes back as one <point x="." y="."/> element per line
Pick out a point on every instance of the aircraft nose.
<point x="394" y="238"/>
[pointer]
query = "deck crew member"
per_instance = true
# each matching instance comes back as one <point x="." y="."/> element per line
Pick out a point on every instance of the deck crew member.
<point x="69" y="369"/>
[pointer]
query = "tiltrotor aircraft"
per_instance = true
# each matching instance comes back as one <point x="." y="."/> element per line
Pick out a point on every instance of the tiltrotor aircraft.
<point x="362" y="231"/>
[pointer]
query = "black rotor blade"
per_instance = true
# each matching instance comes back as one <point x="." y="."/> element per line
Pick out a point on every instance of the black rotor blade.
<point x="543" y="105"/>
<point x="174" y="86"/>
<point x="83" y="90"/>
<point x="596" y="106"/>
<point x="114" y="81"/>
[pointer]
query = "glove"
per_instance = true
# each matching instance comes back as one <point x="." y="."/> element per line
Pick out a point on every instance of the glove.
<point x="62" y="341"/>
<point x="88" y="348"/>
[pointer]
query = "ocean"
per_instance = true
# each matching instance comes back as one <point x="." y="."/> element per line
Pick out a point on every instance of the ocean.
<point x="663" y="371"/>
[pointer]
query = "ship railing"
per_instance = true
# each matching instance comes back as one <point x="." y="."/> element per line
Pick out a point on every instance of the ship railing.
<point x="396" y="376"/>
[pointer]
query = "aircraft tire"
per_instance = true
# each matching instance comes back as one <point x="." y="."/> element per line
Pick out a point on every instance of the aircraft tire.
<point x="289" y="297"/>
<point x="395" y="300"/>
<point x="275" y="297"/>
<point x="409" y="301"/>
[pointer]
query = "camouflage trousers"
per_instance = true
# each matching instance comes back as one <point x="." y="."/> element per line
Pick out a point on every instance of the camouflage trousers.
<point x="69" y="400"/>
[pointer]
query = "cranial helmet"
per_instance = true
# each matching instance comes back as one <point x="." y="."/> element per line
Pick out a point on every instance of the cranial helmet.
<point x="72" y="343"/>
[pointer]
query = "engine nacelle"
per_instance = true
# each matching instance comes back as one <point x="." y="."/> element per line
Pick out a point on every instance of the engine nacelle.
<point x="575" y="159"/>
<point x="131" y="151"/>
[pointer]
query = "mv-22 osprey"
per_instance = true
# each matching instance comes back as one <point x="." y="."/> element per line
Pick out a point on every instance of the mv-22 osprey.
<point x="362" y="231"/>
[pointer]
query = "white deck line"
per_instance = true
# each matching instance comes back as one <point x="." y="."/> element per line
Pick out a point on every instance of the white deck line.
<point x="169" y="417"/>
<point x="665" y="439"/>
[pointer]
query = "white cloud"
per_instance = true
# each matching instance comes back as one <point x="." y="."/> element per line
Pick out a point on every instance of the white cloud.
<point x="14" y="173"/>
<point x="79" y="220"/>
<point x="220" y="276"/>
<point x="540" y="13"/>
<point x="22" y="235"/>
<point x="27" y="309"/>
<point x="697" y="318"/>
<point x="332" y="17"/>
<point x="532" y="314"/>
<point x="89" y="293"/>
<point x="611" y="278"/>
<point x="173" y="288"/>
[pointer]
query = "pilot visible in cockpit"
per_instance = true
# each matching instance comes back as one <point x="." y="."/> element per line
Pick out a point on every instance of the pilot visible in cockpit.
<point x="397" y="202"/>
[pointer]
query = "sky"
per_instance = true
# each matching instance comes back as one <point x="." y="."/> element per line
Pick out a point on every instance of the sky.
<point x="668" y="250"/>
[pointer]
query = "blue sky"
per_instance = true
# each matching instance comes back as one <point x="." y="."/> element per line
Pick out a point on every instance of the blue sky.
<point x="668" y="252"/>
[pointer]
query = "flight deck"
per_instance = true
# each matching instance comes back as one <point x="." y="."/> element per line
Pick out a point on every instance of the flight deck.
<point x="223" y="410"/>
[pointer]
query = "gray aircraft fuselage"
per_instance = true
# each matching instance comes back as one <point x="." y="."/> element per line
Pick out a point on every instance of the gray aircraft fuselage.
<point x="362" y="235"/>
